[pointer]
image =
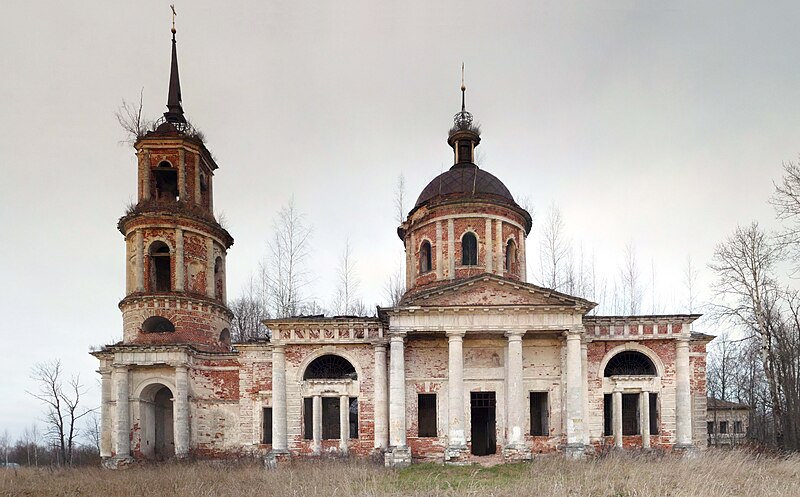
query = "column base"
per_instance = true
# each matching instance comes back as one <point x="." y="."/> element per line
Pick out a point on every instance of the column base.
<point x="456" y="455"/>
<point x="516" y="453"/>
<point x="687" y="450"/>
<point x="275" y="457"/>
<point x="117" y="462"/>
<point x="397" y="457"/>
<point x="575" y="451"/>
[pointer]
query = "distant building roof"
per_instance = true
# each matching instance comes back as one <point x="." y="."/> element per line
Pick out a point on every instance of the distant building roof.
<point x="713" y="403"/>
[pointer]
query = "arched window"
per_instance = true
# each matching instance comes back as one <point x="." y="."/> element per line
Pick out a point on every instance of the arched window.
<point x="630" y="363"/>
<point x="225" y="337"/>
<point x="330" y="367"/>
<point x="469" y="250"/>
<point x="425" y="257"/>
<point x="157" y="324"/>
<point x="160" y="268"/>
<point x="219" y="278"/>
<point x="511" y="254"/>
<point x="165" y="182"/>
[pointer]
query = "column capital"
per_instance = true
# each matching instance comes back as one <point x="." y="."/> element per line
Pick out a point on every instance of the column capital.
<point x="379" y="345"/>
<point x="397" y="336"/>
<point x="183" y="368"/>
<point x="120" y="367"/>
<point x="514" y="334"/>
<point x="682" y="341"/>
<point x="453" y="334"/>
<point x="280" y="348"/>
<point x="574" y="333"/>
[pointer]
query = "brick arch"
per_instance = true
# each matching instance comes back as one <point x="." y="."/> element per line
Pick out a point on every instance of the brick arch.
<point x="148" y="387"/>
<point x="634" y="347"/>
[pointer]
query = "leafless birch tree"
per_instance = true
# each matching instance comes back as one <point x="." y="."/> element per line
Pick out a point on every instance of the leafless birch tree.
<point x="553" y="249"/>
<point x="286" y="263"/>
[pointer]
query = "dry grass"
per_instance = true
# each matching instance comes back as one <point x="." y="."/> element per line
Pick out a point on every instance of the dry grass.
<point x="714" y="474"/>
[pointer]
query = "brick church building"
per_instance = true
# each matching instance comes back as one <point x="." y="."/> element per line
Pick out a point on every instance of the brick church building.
<point x="473" y="362"/>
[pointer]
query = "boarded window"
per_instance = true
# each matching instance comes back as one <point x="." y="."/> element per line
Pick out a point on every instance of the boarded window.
<point x="353" y="417"/>
<point x="425" y="257"/>
<point x="267" y="439"/>
<point x="723" y="427"/>
<point x="653" y="414"/>
<point x="469" y="250"/>
<point x="539" y="414"/>
<point x="308" y="418"/>
<point x="710" y="427"/>
<point x="608" y="415"/>
<point x="426" y="415"/>
<point x="737" y="427"/>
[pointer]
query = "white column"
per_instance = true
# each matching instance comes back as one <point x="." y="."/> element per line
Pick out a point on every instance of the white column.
<point x="210" y="291"/>
<point x="585" y="392"/>
<point x="123" y="428"/>
<point x="144" y="164"/>
<point x="344" y="422"/>
<point x="683" y="394"/>
<point x="498" y="247"/>
<point x="180" y="278"/>
<point x="279" y="425"/>
<point x="317" y="422"/>
<point x="105" y="413"/>
<point x="515" y="433"/>
<point x="397" y="391"/>
<point x="180" y="408"/>
<point x="451" y="249"/>
<point x="439" y="252"/>
<point x="139" y="240"/>
<point x="381" y="426"/>
<point x="487" y="236"/>
<point x="455" y="390"/>
<point x="645" y="419"/>
<point x="574" y="393"/>
<point x="617" y="418"/>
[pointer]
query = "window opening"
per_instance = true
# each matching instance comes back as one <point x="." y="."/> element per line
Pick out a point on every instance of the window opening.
<point x="469" y="250"/>
<point x="511" y="254"/>
<point x="630" y="363"/>
<point x="737" y="427"/>
<point x="630" y="414"/>
<point x="723" y="427"/>
<point x="330" y="367"/>
<point x="426" y="415"/>
<point x="308" y="418"/>
<point x="160" y="267"/>
<point x="653" y="413"/>
<point x="464" y="151"/>
<point x="330" y="418"/>
<point x="165" y="179"/>
<point x="539" y="418"/>
<point x="710" y="427"/>
<point x="425" y="257"/>
<point x="353" y="417"/>
<point x="157" y="324"/>
<point x="608" y="415"/>
<point x="267" y="419"/>
<point x="225" y="337"/>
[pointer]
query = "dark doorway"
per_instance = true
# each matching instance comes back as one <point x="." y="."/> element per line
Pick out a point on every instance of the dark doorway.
<point x="484" y="429"/>
<point x="267" y="425"/>
<point x="164" y="447"/>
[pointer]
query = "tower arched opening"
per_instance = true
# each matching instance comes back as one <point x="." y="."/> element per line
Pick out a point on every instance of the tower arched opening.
<point x="157" y="324"/>
<point x="469" y="249"/>
<point x="160" y="267"/>
<point x="511" y="255"/>
<point x="165" y="182"/>
<point x="425" y="257"/>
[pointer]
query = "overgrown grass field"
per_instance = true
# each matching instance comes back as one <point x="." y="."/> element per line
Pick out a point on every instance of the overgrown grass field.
<point x="713" y="474"/>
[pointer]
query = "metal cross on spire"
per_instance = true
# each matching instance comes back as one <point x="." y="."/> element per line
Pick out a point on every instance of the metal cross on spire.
<point x="463" y="89"/>
<point x="173" y="17"/>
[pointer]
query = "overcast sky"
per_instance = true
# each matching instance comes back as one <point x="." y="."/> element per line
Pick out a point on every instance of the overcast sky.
<point x="662" y="124"/>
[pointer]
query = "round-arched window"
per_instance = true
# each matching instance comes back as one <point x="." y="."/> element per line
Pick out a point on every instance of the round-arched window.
<point x="330" y="367"/>
<point x="630" y="363"/>
<point x="157" y="324"/>
<point x="469" y="250"/>
<point x="425" y="257"/>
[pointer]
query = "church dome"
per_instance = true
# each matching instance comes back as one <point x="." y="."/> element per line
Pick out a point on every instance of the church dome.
<point x="465" y="180"/>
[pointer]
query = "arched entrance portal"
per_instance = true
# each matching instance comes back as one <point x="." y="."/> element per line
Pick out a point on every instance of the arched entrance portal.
<point x="158" y="441"/>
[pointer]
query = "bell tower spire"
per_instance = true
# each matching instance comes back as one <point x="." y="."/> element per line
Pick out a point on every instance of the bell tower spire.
<point x="174" y="113"/>
<point x="464" y="136"/>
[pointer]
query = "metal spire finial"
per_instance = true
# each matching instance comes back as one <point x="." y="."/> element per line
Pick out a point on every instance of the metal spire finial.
<point x="462" y="120"/>
<point x="463" y="90"/>
<point x="174" y="113"/>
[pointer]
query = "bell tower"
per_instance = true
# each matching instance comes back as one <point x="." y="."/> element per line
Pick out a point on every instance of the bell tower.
<point x="175" y="248"/>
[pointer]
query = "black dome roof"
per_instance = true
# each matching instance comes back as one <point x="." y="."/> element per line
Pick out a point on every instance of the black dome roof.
<point x="467" y="179"/>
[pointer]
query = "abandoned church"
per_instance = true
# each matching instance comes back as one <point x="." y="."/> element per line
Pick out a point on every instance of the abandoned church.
<point x="474" y="361"/>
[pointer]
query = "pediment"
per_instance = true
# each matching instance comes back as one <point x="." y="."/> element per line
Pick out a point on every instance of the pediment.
<point x="493" y="290"/>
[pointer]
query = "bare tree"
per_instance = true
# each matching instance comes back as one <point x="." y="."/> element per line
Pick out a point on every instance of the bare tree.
<point x="286" y="264"/>
<point x="629" y="282"/>
<point x="746" y="288"/>
<point x="92" y="431"/>
<point x="400" y="199"/>
<point x="690" y="275"/>
<point x="130" y="118"/>
<point x="346" y="301"/>
<point x="250" y="309"/>
<point x="394" y="288"/>
<point x="554" y="250"/>
<point x="63" y="409"/>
